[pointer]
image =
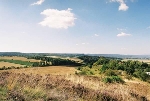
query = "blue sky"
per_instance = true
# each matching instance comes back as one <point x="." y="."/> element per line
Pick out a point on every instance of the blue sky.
<point x="75" y="26"/>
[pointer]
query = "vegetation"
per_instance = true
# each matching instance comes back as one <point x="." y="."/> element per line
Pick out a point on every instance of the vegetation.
<point x="23" y="87"/>
<point x="36" y="61"/>
<point x="48" y="61"/>
<point x="132" y="68"/>
<point x="36" y="87"/>
<point x="89" y="60"/>
<point x="113" y="79"/>
<point x="97" y="79"/>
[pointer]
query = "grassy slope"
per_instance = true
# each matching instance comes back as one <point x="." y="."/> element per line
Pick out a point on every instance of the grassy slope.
<point x="55" y="70"/>
<point x="132" y="90"/>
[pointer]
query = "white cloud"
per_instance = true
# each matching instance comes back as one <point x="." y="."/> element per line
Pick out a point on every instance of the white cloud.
<point x="58" y="18"/>
<point x="96" y="35"/>
<point x="122" y="6"/>
<point x="38" y="2"/>
<point x="122" y="34"/>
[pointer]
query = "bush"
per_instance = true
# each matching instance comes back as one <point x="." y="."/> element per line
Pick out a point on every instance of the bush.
<point x="107" y="80"/>
<point x="117" y="79"/>
<point x="86" y="73"/>
<point x="142" y="75"/>
<point x="113" y="79"/>
<point x="110" y="72"/>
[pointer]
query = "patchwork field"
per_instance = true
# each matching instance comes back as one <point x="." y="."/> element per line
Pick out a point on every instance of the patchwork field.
<point x="7" y="64"/>
<point x="19" y="58"/>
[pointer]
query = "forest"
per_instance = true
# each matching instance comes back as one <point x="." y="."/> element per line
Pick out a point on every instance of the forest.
<point x="109" y="66"/>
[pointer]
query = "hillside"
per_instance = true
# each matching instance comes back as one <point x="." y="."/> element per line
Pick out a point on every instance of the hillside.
<point x="32" y="85"/>
<point x="97" y="79"/>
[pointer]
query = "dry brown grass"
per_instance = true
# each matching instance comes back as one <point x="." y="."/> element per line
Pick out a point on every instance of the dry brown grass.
<point x="19" y="58"/>
<point x="55" y="70"/>
<point x="7" y="64"/>
<point x="132" y="90"/>
<point x="123" y="91"/>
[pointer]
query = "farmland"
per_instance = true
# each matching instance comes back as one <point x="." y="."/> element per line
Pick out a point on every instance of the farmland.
<point x="7" y="64"/>
<point x="18" y="58"/>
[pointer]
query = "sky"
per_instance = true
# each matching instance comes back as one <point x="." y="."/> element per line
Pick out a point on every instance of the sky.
<point x="75" y="26"/>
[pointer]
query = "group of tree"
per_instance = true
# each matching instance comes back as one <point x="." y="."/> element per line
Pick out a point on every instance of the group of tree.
<point x="48" y="61"/>
<point x="132" y="68"/>
<point x="89" y="60"/>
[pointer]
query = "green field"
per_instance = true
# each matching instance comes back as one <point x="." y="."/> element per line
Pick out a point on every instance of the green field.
<point x="26" y="63"/>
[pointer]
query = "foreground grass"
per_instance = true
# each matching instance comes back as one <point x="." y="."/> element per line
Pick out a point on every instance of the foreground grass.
<point x="58" y="83"/>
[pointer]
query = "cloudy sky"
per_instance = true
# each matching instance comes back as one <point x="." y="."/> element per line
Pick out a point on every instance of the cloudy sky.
<point x="75" y="26"/>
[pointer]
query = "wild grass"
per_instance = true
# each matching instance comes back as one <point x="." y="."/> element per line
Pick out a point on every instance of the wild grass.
<point x="44" y="84"/>
<point x="54" y="70"/>
<point x="3" y="93"/>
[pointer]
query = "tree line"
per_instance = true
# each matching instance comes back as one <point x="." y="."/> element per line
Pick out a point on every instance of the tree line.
<point x="48" y="61"/>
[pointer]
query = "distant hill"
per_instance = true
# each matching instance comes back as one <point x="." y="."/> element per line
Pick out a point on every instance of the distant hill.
<point x="74" y="55"/>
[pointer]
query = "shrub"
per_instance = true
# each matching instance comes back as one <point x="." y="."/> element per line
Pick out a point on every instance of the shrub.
<point x="110" y="72"/>
<point x="113" y="79"/>
<point x="86" y="73"/>
<point x="107" y="80"/>
<point x="142" y="75"/>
